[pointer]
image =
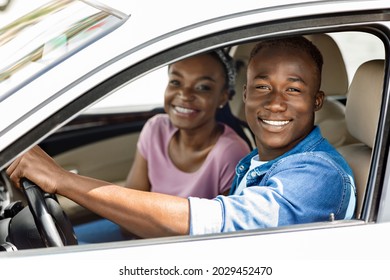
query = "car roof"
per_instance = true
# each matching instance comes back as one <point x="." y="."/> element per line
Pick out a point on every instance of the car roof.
<point x="140" y="33"/>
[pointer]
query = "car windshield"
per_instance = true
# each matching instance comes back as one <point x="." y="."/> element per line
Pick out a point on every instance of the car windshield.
<point x="35" y="42"/>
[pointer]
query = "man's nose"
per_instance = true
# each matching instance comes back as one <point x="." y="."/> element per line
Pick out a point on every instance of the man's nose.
<point x="276" y="102"/>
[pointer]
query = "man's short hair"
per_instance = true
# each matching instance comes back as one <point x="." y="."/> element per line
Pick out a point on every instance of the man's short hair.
<point x="299" y="43"/>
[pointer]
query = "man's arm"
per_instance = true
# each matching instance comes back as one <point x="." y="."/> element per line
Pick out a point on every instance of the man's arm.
<point x="142" y="213"/>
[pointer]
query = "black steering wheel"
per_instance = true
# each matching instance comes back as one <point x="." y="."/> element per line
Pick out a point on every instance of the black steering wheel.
<point x="51" y="221"/>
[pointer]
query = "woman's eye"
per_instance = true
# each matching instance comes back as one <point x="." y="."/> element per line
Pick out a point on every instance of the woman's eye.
<point x="174" y="83"/>
<point x="203" y="88"/>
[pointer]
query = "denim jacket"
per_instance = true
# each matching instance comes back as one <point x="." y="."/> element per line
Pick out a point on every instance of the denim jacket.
<point x="307" y="184"/>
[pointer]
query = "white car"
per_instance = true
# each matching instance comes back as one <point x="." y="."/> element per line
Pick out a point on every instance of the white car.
<point x="80" y="78"/>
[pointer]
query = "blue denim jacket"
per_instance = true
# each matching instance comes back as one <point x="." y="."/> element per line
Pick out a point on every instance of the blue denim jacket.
<point x="306" y="184"/>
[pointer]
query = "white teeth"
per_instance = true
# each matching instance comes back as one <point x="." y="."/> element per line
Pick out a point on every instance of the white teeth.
<point x="276" y="123"/>
<point x="184" y="110"/>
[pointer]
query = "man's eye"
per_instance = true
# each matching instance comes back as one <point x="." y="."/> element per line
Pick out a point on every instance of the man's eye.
<point x="294" y="90"/>
<point x="262" y="87"/>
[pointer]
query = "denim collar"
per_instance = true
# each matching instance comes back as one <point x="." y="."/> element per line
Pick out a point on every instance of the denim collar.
<point x="307" y="144"/>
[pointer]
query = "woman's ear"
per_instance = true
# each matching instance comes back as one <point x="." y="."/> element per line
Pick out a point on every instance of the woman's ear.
<point x="224" y="98"/>
<point x="244" y="93"/>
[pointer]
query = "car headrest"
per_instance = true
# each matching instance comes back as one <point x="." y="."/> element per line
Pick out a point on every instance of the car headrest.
<point x="334" y="73"/>
<point x="364" y="100"/>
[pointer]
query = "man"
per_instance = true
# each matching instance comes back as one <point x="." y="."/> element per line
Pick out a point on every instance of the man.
<point x="294" y="175"/>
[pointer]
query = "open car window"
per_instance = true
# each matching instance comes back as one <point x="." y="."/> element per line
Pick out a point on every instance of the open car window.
<point x="146" y="92"/>
<point x="143" y="94"/>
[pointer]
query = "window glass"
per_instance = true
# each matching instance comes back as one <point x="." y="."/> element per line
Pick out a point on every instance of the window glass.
<point x="48" y="34"/>
<point x="143" y="94"/>
<point x="358" y="47"/>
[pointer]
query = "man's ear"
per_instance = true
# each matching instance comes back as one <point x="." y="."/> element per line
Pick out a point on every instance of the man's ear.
<point x="244" y="93"/>
<point x="319" y="101"/>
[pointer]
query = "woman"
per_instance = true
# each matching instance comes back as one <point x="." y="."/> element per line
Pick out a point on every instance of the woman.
<point x="193" y="148"/>
<point x="187" y="151"/>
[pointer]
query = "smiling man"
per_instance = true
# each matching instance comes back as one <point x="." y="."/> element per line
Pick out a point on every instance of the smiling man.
<point x="293" y="176"/>
<point x="282" y="94"/>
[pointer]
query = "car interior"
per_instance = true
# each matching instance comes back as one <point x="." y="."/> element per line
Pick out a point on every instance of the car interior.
<point x="362" y="115"/>
<point x="348" y="119"/>
<point x="337" y="120"/>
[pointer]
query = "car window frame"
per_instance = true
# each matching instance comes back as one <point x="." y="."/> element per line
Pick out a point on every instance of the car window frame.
<point x="368" y="22"/>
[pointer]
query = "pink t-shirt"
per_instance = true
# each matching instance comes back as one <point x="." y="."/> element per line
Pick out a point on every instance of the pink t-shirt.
<point x="211" y="179"/>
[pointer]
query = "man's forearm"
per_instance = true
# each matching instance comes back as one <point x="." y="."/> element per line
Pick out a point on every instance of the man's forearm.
<point x="145" y="214"/>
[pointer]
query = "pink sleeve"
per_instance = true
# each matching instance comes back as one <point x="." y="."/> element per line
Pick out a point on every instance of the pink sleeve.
<point x="146" y="135"/>
<point x="234" y="153"/>
<point x="230" y="150"/>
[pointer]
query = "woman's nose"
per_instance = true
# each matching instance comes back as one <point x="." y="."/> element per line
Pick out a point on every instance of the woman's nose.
<point x="186" y="94"/>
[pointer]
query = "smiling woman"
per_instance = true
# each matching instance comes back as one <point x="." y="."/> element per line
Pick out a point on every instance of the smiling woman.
<point x="190" y="142"/>
<point x="193" y="143"/>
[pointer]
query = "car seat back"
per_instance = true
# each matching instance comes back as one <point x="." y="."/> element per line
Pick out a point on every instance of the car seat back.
<point x="362" y="115"/>
<point x="334" y="83"/>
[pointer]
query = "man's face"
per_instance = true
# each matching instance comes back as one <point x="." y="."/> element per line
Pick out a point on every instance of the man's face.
<point x="281" y="96"/>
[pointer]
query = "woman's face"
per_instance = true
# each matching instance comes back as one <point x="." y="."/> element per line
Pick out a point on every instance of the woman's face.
<point x="195" y="90"/>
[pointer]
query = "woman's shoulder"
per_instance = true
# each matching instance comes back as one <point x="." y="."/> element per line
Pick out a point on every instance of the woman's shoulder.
<point x="157" y="126"/>
<point x="230" y="135"/>
<point x="159" y="122"/>
<point x="231" y="141"/>
<point x="161" y="119"/>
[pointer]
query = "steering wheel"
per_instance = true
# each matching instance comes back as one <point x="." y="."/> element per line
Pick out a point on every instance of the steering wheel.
<point x="51" y="221"/>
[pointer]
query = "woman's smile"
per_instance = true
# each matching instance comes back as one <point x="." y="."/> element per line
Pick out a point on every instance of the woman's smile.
<point x="184" y="111"/>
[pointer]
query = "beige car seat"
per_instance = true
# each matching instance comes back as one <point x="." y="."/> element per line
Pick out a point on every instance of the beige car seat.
<point x="331" y="117"/>
<point x="362" y="115"/>
<point x="241" y="55"/>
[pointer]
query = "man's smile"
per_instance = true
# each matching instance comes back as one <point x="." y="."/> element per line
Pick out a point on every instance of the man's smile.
<point x="275" y="123"/>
